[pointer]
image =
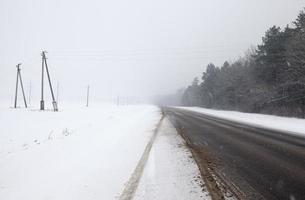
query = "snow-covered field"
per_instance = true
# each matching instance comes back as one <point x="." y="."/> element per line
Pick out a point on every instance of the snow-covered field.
<point x="78" y="153"/>
<point x="293" y="125"/>
<point x="90" y="153"/>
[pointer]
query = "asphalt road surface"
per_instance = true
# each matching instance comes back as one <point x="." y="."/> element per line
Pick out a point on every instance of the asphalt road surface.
<point x="261" y="163"/>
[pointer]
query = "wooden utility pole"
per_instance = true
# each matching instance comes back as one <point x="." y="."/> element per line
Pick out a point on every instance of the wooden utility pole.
<point x="45" y="65"/>
<point x="21" y="84"/>
<point x="88" y="87"/>
<point x="42" y="80"/>
<point x="30" y="93"/>
<point x="57" y="92"/>
<point x="16" y="91"/>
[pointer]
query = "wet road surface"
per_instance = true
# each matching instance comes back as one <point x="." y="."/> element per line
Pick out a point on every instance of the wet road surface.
<point x="261" y="163"/>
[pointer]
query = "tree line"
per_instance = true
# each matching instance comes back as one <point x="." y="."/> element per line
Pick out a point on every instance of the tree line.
<point x="269" y="79"/>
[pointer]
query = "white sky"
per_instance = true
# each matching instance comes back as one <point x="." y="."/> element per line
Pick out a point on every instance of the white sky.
<point x="128" y="48"/>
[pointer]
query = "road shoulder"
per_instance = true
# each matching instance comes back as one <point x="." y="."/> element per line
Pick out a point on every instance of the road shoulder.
<point x="171" y="172"/>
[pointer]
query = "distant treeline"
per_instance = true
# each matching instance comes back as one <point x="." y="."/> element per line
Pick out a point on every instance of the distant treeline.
<point x="268" y="79"/>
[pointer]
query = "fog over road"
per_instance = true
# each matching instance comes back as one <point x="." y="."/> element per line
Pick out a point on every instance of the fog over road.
<point x="259" y="162"/>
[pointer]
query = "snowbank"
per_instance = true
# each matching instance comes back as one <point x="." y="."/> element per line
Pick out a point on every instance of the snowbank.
<point x="293" y="125"/>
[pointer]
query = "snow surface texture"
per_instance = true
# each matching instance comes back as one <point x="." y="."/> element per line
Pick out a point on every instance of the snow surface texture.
<point x="293" y="125"/>
<point x="77" y="153"/>
<point x="170" y="172"/>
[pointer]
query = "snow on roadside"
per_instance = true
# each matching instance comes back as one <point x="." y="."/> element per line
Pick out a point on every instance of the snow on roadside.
<point x="170" y="172"/>
<point x="77" y="153"/>
<point x="293" y="125"/>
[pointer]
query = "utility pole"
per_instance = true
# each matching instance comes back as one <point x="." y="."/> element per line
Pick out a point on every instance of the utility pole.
<point x="24" y="99"/>
<point x="16" y="92"/>
<point x="45" y="65"/>
<point x="42" y="80"/>
<point x="30" y="93"/>
<point x="57" y="92"/>
<point x="88" y="87"/>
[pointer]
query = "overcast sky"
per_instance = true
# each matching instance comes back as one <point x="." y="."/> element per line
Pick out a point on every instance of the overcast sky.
<point x="128" y="48"/>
